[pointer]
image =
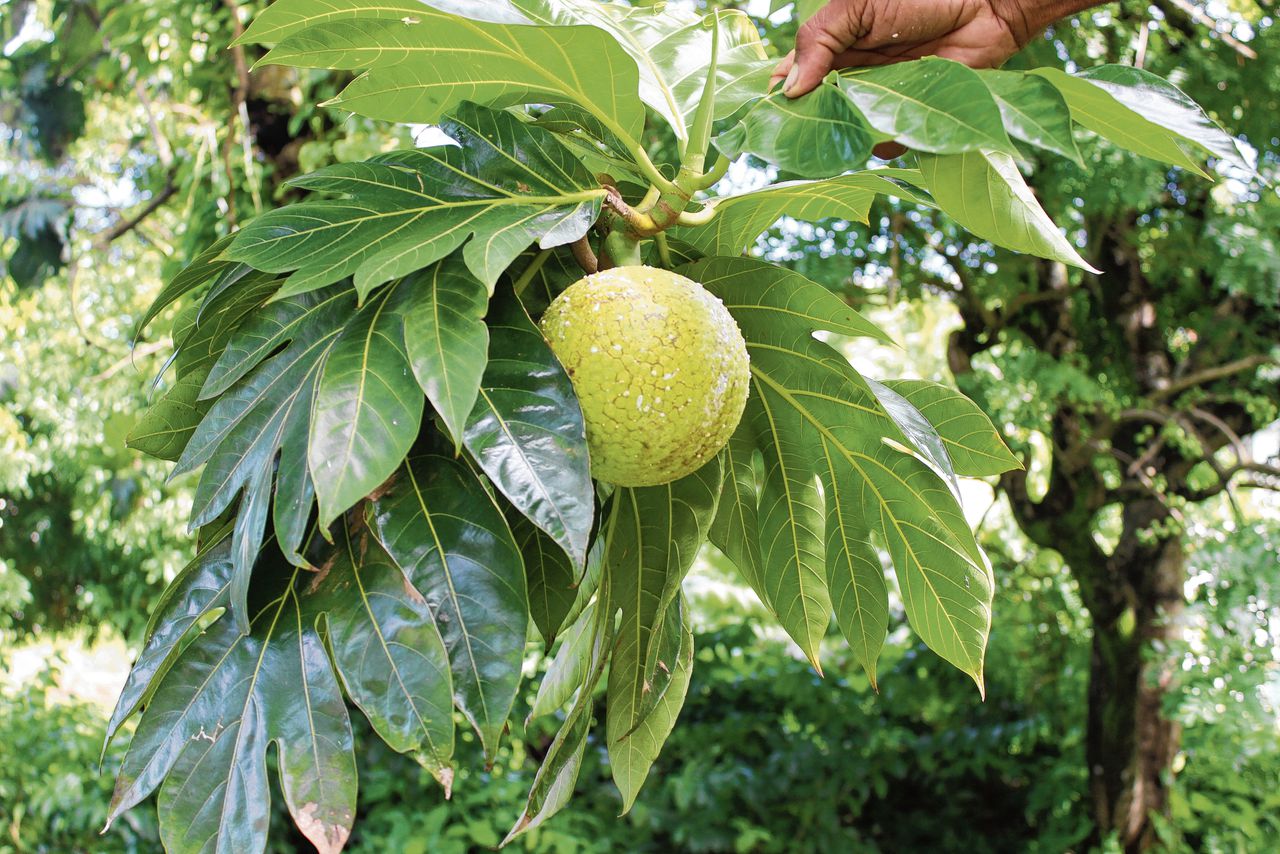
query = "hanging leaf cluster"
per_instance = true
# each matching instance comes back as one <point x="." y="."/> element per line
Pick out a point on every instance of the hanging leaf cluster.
<point x="394" y="489"/>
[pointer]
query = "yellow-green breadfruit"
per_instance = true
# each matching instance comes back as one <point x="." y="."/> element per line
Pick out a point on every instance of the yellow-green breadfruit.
<point x="659" y="367"/>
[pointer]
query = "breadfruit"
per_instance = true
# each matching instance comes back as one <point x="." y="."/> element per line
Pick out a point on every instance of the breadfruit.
<point x="660" y="369"/>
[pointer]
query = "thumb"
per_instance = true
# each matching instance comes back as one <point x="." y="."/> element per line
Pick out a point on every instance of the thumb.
<point x="782" y="70"/>
<point x="818" y="42"/>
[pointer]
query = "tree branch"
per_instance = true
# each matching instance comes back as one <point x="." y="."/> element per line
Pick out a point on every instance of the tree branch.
<point x="1191" y="15"/>
<point x="141" y="351"/>
<point x="1208" y="375"/>
<point x="163" y="149"/>
<point x="238" y="97"/>
<point x="123" y="227"/>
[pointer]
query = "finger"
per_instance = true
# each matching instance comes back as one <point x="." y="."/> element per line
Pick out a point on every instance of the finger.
<point x="815" y="50"/>
<point x="833" y="29"/>
<point x="780" y="73"/>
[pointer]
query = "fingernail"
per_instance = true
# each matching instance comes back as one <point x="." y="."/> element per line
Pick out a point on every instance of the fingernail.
<point x="791" y="80"/>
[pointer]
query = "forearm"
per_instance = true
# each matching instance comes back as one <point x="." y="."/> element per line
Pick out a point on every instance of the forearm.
<point x="1026" y="18"/>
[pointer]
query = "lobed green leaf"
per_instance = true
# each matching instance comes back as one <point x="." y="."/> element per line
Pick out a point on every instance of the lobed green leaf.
<point x="387" y="650"/>
<point x="449" y="538"/>
<point x="366" y="413"/>
<point x="508" y="183"/>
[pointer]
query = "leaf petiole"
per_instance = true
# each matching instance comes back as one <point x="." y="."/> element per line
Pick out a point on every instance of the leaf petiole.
<point x="526" y="275"/>
<point x="713" y="175"/>
<point x="664" y="249"/>
<point x="702" y="216"/>
<point x="700" y="134"/>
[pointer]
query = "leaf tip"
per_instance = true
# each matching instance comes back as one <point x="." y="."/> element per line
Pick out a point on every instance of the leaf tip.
<point x="445" y="778"/>
<point x="515" y="831"/>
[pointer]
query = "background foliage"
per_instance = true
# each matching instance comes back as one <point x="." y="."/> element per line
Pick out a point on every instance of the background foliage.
<point x="125" y="114"/>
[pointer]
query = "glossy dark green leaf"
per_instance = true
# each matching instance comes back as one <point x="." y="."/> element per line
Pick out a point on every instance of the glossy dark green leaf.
<point x="652" y="537"/>
<point x="931" y="104"/>
<point x="246" y="537"/>
<point x="240" y="437"/>
<point x="973" y="443"/>
<point x="549" y="272"/>
<point x="388" y="651"/>
<point x="985" y="193"/>
<point x="202" y="330"/>
<point x="1033" y="111"/>
<point x="594" y="144"/>
<point x="367" y="408"/>
<point x="568" y="669"/>
<point x="195" y="593"/>
<point x="743" y="218"/>
<point x="448" y="536"/>
<point x="551" y="576"/>
<point x="271" y="327"/>
<point x="295" y="493"/>
<point x="527" y="432"/>
<point x="553" y="785"/>
<point x="817" y="135"/>
<point x="401" y="212"/>
<point x="446" y="338"/>
<point x="207" y="727"/>
<point x="632" y="754"/>
<point x="166" y="427"/>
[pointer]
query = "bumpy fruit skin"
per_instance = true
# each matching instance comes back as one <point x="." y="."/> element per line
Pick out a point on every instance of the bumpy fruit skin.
<point x="659" y="367"/>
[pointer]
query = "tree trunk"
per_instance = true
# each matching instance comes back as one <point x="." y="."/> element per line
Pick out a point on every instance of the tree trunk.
<point x="1129" y="743"/>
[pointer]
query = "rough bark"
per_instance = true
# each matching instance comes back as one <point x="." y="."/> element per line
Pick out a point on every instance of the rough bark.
<point x="1129" y="743"/>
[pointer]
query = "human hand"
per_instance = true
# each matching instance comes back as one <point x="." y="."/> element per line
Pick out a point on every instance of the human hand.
<point x="978" y="33"/>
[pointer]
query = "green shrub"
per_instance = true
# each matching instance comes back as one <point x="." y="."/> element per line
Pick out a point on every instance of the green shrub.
<point x="52" y="798"/>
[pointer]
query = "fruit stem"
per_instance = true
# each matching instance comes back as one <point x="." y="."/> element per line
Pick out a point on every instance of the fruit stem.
<point x="621" y="250"/>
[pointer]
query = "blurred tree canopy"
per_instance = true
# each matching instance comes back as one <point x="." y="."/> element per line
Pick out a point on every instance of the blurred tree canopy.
<point x="1136" y="631"/>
